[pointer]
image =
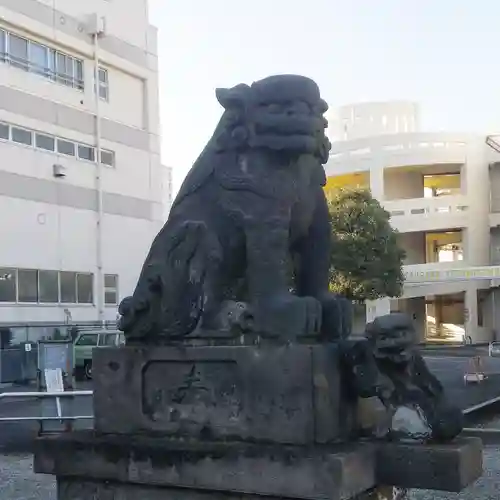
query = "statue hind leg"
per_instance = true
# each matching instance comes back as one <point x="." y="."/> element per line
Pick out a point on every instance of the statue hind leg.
<point x="170" y="294"/>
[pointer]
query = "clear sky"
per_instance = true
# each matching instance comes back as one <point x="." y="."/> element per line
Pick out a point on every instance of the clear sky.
<point x="443" y="54"/>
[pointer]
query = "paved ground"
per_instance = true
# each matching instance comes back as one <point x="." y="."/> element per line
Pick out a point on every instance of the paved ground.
<point x="18" y="482"/>
<point x="450" y="371"/>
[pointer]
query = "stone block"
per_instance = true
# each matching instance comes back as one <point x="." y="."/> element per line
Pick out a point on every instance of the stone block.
<point x="447" y="467"/>
<point x="147" y="465"/>
<point x="281" y="394"/>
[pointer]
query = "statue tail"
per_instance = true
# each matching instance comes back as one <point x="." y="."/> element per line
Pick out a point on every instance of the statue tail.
<point x="169" y="297"/>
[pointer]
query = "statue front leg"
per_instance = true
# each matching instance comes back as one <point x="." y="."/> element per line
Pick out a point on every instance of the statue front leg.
<point x="276" y="310"/>
<point x="312" y="274"/>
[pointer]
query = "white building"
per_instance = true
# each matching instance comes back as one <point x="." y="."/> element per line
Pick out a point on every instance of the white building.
<point x="443" y="193"/>
<point x="75" y="232"/>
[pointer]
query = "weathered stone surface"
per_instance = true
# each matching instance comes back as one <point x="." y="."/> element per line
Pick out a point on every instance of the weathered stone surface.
<point x="282" y="394"/>
<point x="251" y="207"/>
<point x="336" y="472"/>
<point x="77" y="489"/>
<point x="447" y="467"/>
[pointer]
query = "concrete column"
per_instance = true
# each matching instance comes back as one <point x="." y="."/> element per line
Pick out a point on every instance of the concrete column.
<point x="471" y="327"/>
<point x="375" y="308"/>
<point x="377" y="182"/>
<point x="476" y="184"/>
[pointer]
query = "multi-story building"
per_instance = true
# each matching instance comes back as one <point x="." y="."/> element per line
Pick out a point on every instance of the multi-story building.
<point x="81" y="181"/>
<point x="442" y="191"/>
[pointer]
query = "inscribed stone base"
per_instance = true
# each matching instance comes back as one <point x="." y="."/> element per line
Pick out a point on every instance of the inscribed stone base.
<point x="277" y="394"/>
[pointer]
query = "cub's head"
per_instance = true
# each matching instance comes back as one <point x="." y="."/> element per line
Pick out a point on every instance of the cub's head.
<point x="393" y="337"/>
<point x="281" y="113"/>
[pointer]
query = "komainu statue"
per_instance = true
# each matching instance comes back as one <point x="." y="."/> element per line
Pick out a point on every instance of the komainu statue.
<point x="250" y="213"/>
<point x="390" y="367"/>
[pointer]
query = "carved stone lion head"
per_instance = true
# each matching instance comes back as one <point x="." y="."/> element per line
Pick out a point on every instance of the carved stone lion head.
<point x="282" y="113"/>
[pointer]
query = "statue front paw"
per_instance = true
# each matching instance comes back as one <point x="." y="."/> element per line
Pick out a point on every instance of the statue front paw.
<point x="288" y="316"/>
<point x="336" y="316"/>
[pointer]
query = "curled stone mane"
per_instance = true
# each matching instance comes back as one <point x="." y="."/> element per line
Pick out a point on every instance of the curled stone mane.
<point x="262" y="116"/>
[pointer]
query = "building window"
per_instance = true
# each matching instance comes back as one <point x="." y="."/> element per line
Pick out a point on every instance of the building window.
<point x="48" y="287"/>
<point x="22" y="136"/>
<point x="107" y="158"/>
<point x="111" y="289"/>
<point x="4" y="131"/>
<point x="39" y="59"/>
<point x="86" y="152"/>
<point x="3" y="46"/>
<point x="103" y="84"/>
<point x="68" y="70"/>
<point x="84" y="288"/>
<point x="46" y="142"/>
<point x="7" y="284"/>
<point x="27" y="285"/>
<point x="68" y="287"/>
<point x="35" y="57"/>
<point x="65" y="147"/>
<point x="18" y="52"/>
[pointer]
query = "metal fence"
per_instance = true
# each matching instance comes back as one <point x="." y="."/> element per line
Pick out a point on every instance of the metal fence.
<point x="19" y="344"/>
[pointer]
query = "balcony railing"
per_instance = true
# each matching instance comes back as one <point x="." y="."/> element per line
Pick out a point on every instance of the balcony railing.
<point x="426" y="207"/>
<point x="398" y="143"/>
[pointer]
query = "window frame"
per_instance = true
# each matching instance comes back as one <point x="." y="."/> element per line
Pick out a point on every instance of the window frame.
<point x="112" y="289"/>
<point x="61" y="301"/>
<point x="50" y="68"/>
<point x="106" y="335"/>
<point x="102" y="84"/>
<point x="16" y="61"/>
<point x="92" y="298"/>
<point x="91" y="335"/>
<point x="74" y="144"/>
<point x="40" y="273"/>
<point x="57" y="140"/>
<point x="10" y="270"/>
<point x="91" y="148"/>
<point x="8" y="132"/>
<point x="22" y="129"/>
<point x="49" y="136"/>
<point x="3" y="38"/>
<point x="18" y="297"/>
<point x="113" y="158"/>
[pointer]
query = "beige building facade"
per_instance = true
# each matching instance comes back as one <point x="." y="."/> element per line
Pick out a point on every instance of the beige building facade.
<point x="82" y="187"/>
<point x="442" y="192"/>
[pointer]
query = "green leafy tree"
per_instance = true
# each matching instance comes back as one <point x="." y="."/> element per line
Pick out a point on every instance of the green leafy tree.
<point x="366" y="259"/>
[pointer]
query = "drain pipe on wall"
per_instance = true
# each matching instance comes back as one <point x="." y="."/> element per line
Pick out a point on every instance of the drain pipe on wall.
<point x="97" y="30"/>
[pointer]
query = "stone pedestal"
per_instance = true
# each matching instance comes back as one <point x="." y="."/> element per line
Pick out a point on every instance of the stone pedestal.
<point x="200" y="422"/>
<point x="275" y="394"/>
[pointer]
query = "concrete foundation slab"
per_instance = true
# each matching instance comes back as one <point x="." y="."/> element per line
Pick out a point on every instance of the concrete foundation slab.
<point x="447" y="467"/>
<point x="146" y="464"/>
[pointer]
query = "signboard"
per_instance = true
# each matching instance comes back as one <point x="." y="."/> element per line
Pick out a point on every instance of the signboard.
<point x="54" y="380"/>
<point x="55" y="355"/>
<point x="460" y="274"/>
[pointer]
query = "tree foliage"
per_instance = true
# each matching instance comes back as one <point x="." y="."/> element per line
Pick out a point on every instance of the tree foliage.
<point x="366" y="260"/>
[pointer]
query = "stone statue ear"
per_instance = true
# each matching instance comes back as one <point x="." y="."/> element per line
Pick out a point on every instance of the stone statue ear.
<point x="235" y="97"/>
